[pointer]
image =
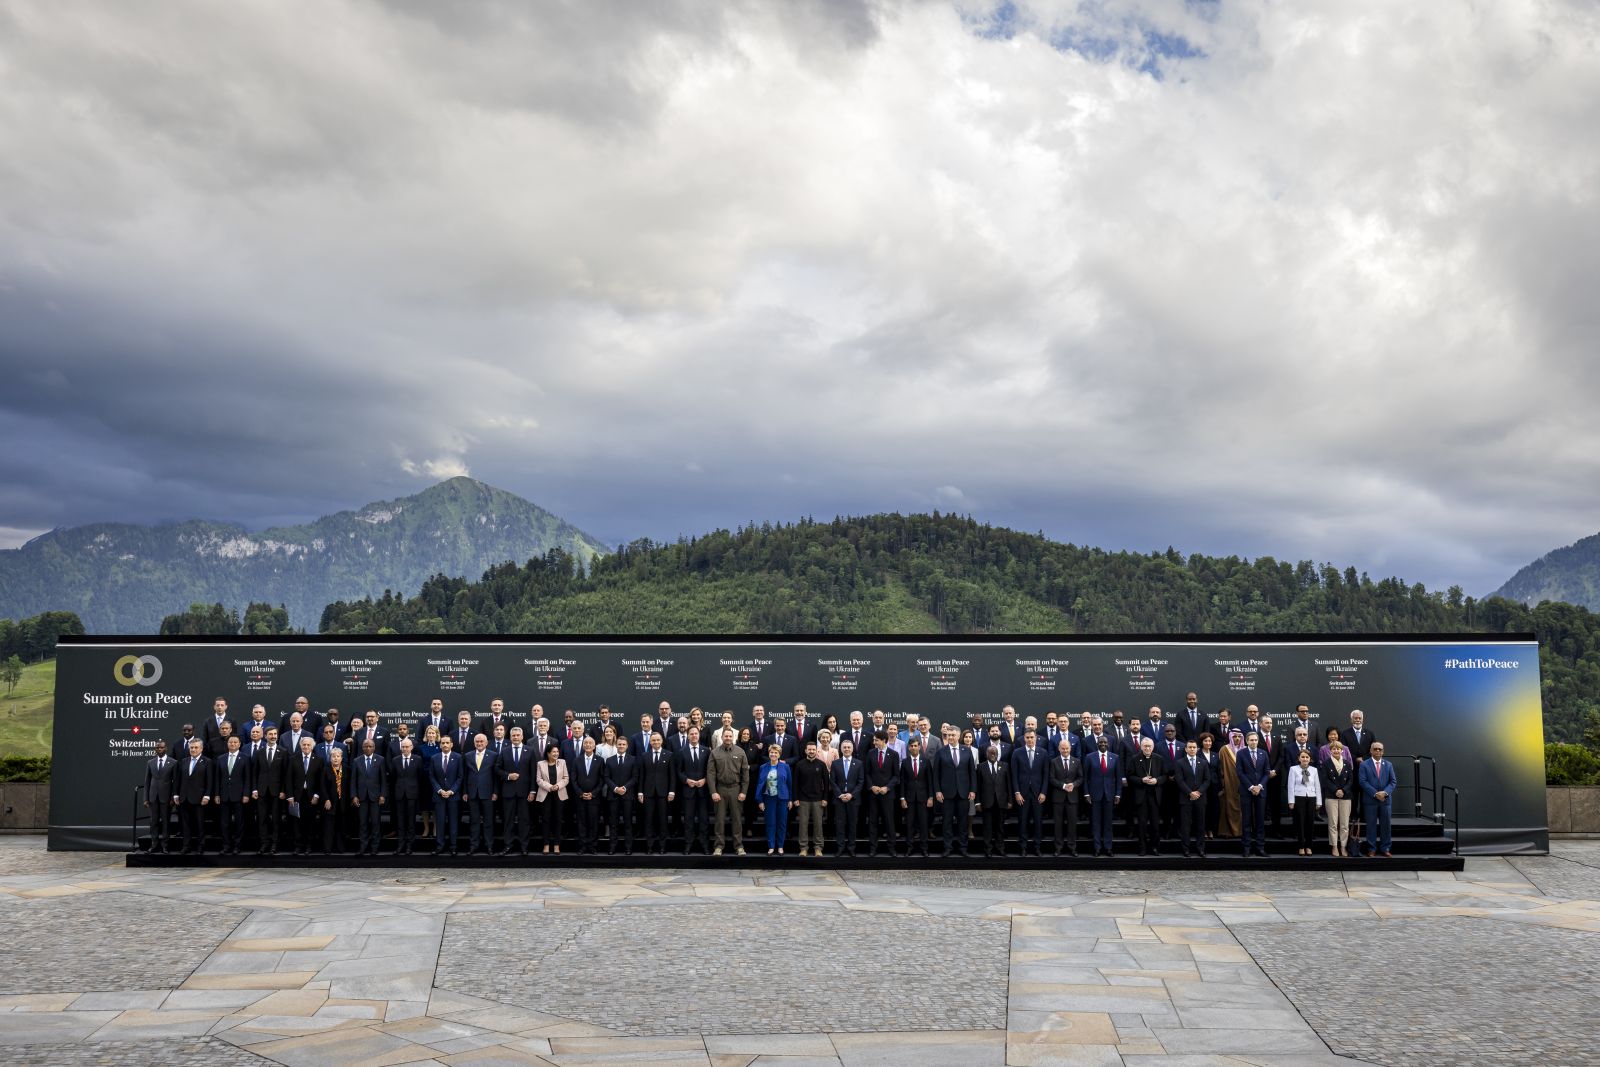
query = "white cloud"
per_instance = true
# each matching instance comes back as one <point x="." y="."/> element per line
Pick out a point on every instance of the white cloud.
<point x="1321" y="291"/>
<point x="437" y="469"/>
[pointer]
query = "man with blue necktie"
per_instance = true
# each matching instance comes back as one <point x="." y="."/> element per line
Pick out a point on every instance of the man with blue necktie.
<point x="444" y="778"/>
<point x="1255" y="778"/>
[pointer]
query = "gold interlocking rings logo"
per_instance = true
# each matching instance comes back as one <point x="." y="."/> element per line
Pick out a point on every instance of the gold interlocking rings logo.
<point x="137" y="670"/>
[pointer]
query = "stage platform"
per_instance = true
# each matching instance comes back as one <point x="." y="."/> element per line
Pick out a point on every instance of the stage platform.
<point x="1418" y="845"/>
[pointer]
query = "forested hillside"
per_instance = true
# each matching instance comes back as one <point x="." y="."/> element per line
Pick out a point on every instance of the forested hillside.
<point x="933" y="573"/>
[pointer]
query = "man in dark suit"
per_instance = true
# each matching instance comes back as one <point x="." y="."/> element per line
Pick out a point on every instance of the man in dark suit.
<point x="1220" y="728"/>
<point x="587" y="783"/>
<point x="269" y="773"/>
<point x="1009" y="730"/>
<point x="1170" y="749"/>
<point x="692" y="759"/>
<point x="1103" y="791"/>
<point x="1191" y="722"/>
<point x="1030" y="776"/>
<point x="658" y="787"/>
<point x="1273" y="745"/>
<point x="883" y="786"/>
<point x="1293" y="747"/>
<point x="370" y="729"/>
<point x="435" y="718"/>
<point x="479" y="789"/>
<point x="1193" y="778"/>
<point x="369" y="794"/>
<point x="849" y="782"/>
<point x="445" y="774"/>
<point x="514" y="769"/>
<point x="1064" y="783"/>
<point x="955" y="783"/>
<point x="160" y="777"/>
<point x="916" y="796"/>
<point x="639" y="743"/>
<point x="230" y="791"/>
<point x="994" y="797"/>
<point x="1255" y="780"/>
<point x="461" y="734"/>
<point x="211" y="727"/>
<point x="1358" y="747"/>
<point x="405" y="789"/>
<point x="193" y="785"/>
<point x="289" y="736"/>
<point x="310" y="721"/>
<point x="497" y="716"/>
<point x="217" y="743"/>
<point x="789" y="750"/>
<point x="621" y="787"/>
<point x="329" y="742"/>
<point x="760" y="728"/>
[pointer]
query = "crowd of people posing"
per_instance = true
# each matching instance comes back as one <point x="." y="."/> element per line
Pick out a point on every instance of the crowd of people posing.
<point x="497" y="782"/>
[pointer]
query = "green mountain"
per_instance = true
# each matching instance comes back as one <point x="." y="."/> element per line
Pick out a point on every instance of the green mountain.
<point x="123" y="578"/>
<point x="930" y="573"/>
<point x="1571" y="574"/>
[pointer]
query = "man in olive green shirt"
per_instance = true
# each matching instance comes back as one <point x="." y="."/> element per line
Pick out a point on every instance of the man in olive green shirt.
<point x="728" y="777"/>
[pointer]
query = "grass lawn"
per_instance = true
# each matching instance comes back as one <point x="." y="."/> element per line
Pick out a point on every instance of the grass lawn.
<point x="28" y="712"/>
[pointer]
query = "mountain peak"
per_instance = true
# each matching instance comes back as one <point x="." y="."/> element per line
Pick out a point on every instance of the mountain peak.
<point x="123" y="578"/>
<point x="1570" y="574"/>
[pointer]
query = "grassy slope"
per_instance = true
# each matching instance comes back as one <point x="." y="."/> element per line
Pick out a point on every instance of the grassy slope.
<point x="27" y="714"/>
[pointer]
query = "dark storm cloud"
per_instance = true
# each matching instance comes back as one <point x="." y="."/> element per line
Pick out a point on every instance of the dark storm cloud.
<point x="1313" y="292"/>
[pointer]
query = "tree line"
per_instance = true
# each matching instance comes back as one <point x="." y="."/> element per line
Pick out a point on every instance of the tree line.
<point x="947" y="574"/>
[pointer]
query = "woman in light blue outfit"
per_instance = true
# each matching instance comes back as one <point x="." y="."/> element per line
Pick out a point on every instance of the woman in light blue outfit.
<point x="772" y="797"/>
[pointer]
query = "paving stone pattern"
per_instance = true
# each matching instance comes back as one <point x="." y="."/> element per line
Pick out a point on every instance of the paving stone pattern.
<point x="193" y="1052"/>
<point x="106" y="942"/>
<point x="797" y="967"/>
<point x="1440" y="991"/>
<point x="1573" y="873"/>
<point x="728" y="968"/>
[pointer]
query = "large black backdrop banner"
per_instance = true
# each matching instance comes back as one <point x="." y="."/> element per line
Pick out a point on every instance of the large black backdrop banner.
<point x="1472" y="704"/>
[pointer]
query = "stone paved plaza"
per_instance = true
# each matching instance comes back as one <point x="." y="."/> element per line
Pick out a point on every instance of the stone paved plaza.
<point x="106" y="965"/>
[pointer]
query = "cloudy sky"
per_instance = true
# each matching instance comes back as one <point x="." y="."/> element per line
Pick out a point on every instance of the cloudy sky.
<point x="1309" y="280"/>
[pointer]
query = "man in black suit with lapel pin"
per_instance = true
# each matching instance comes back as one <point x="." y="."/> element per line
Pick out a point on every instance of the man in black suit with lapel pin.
<point x="1192" y="776"/>
<point x="994" y="797"/>
<point x="270" y="773"/>
<point x="658" y="785"/>
<point x="1065" y="784"/>
<point x="849" y="780"/>
<point x="160" y="776"/>
<point x="405" y="788"/>
<point x="622" y="786"/>
<point x="231" y="793"/>
<point x="369" y="793"/>
<point x="192" y="793"/>
<point x="1191" y="721"/>
<point x="514" y="769"/>
<point x="883" y="784"/>
<point x="1030" y="779"/>
<point x="916" y="796"/>
<point x="955" y="784"/>
<point x="435" y="718"/>
<point x="692" y="759"/>
<point x="587" y="783"/>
